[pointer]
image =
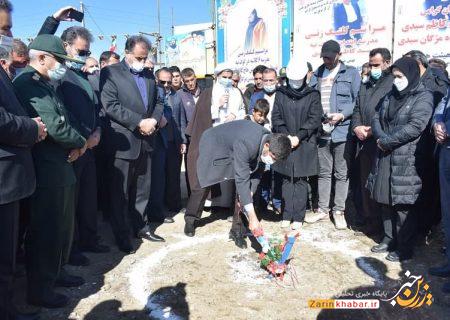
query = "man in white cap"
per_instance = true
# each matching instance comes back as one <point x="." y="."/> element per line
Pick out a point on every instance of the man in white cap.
<point x="217" y="105"/>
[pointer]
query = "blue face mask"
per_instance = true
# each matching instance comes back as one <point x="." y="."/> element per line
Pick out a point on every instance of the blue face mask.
<point x="76" y="65"/>
<point x="376" y="73"/>
<point x="226" y="83"/>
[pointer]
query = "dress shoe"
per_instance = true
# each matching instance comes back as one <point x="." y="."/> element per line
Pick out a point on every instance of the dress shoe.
<point x="382" y="247"/>
<point x="52" y="300"/>
<point x="395" y="256"/>
<point x="189" y="229"/>
<point x="238" y="239"/>
<point x="78" y="259"/>
<point x="169" y="220"/>
<point x="150" y="236"/>
<point x="68" y="281"/>
<point x="443" y="271"/>
<point x="96" y="248"/>
<point x="446" y="288"/>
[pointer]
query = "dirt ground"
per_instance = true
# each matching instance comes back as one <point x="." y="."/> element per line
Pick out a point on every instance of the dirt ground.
<point x="207" y="277"/>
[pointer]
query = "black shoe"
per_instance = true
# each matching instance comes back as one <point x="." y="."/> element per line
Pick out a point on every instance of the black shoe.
<point x="68" y="281"/>
<point x="189" y="229"/>
<point x="150" y="236"/>
<point x="78" y="259"/>
<point x="125" y="246"/>
<point x="397" y="257"/>
<point x="51" y="301"/>
<point x="382" y="247"/>
<point x="446" y="287"/>
<point x="96" y="248"/>
<point x="169" y="220"/>
<point x="443" y="271"/>
<point x="238" y="239"/>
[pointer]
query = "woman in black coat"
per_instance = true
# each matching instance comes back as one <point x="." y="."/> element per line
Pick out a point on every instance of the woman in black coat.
<point x="297" y="112"/>
<point x="396" y="178"/>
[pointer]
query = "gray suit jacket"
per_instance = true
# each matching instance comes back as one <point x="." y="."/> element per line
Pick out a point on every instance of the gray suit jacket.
<point x="231" y="151"/>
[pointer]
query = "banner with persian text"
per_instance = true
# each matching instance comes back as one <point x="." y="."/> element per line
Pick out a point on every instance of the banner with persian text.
<point x="358" y="26"/>
<point x="253" y="32"/>
<point x="422" y="25"/>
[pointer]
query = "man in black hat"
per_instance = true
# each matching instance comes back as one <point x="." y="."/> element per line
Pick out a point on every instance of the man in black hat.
<point x="52" y="205"/>
<point x="338" y="85"/>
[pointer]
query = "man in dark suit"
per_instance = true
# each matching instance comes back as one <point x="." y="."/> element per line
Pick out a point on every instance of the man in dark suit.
<point x="18" y="133"/>
<point x="170" y="142"/>
<point x="129" y="97"/>
<point x="234" y="151"/>
<point x="82" y="102"/>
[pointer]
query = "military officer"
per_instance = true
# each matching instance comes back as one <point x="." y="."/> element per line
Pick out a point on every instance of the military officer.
<point x="52" y="205"/>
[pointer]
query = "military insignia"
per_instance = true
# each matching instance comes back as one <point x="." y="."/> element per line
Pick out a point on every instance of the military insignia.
<point x="36" y="77"/>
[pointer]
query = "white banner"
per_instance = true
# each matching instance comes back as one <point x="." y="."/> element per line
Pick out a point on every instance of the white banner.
<point x="423" y="25"/>
<point x="358" y="26"/>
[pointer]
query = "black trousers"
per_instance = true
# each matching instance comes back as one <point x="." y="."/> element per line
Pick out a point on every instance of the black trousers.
<point x="130" y="192"/>
<point x="9" y="226"/>
<point x="400" y="227"/>
<point x="104" y="163"/>
<point x="172" y="175"/>
<point x="49" y="237"/>
<point x="294" y="198"/>
<point x="188" y="186"/>
<point x="368" y="210"/>
<point x="85" y="201"/>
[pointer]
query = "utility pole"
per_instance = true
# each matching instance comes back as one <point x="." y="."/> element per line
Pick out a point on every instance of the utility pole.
<point x="158" y="41"/>
<point x="173" y="26"/>
<point x="82" y="10"/>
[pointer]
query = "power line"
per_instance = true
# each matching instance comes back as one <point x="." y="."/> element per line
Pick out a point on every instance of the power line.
<point x="93" y="20"/>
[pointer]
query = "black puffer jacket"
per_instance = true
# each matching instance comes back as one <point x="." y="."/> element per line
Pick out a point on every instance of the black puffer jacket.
<point x="298" y="113"/>
<point x="403" y="161"/>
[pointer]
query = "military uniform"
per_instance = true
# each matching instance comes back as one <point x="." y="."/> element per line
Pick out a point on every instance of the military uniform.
<point x="52" y="205"/>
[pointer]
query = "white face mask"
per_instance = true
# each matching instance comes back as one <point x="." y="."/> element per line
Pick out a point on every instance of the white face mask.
<point x="267" y="159"/>
<point x="137" y="66"/>
<point x="401" y="83"/>
<point x="365" y="79"/>
<point x="295" y="84"/>
<point x="76" y="65"/>
<point x="57" y="73"/>
<point x="93" y="70"/>
<point x="270" y="88"/>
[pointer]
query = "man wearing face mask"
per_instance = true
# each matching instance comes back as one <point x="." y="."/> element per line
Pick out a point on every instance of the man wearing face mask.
<point x="82" y="102"/>
<point x="167" y="156"/>
<point x="371" y="92"/>
<point x="18" y="133"/>
<point x="20" y="58"/>
<point x="236" y="151"/>
<point x="53" y="204"/>
<point x="130" y="97"/>
<point x="338" y="85"/>
<point x="217" y="105"/>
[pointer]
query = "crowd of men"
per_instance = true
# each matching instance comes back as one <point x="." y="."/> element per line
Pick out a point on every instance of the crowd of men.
<point x="79" y="136"/>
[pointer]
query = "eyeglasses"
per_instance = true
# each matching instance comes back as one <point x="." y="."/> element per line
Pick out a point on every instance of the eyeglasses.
<point x="165" y="82"/>
<point x="83" y="53"/>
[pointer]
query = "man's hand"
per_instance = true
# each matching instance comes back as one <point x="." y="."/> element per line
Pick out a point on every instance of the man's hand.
<point x="230" y="117"/>
<point x="183" y="148"/>
<point x="253" y="222"/>
<point x="63" y="14"/>
<point x="83" y="149"/>
<point x="440" y="132"/>
<point x="42" y="129"/>
<point x="334" y="118"/>
<point x="94" y="139"/>
<point x="74" y="154"/>
<point x="163" y="122"/>
<point x="224" y="99"/>
<point x="360" y="132"/>
<point x="379" y="145"/>
<point x="295" y="141"/>
<point x="147" y="126"/>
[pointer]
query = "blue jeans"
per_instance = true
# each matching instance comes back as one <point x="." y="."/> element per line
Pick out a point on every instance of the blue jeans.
<point x="444" y="179"/>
